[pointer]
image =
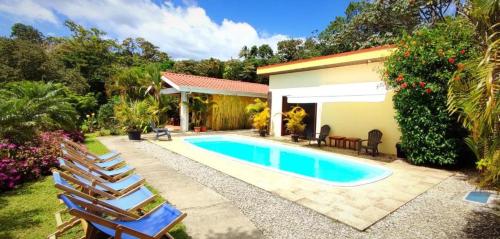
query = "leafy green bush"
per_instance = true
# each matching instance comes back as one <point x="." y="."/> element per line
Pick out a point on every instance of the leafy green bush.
<point x="419" y="71"/>
<point x="30" y="107"/>
<point x="134" y="115"/>
<point x="106" y="116"/>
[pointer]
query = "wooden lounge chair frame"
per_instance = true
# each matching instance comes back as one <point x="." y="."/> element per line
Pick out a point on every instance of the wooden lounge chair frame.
<point x="98" y="181"/>
<point x="88" y="193"/>
<point x="94" y="168"/>
<point x="374" y="139"/>
<point x="83" y="150"/>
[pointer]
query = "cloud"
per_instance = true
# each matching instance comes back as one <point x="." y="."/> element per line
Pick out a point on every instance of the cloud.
<point x="182" y="31"/>
<point x="27" y="9"/>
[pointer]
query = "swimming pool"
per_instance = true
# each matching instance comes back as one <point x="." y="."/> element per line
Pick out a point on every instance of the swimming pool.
<point x="327" y="167"/>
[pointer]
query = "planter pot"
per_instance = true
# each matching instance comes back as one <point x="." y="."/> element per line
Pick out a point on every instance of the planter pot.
<point x="197" y="129"/>
<point x="262" y="133"/>
<point x="400" y="153"/>
<point x="295" y="137"/>
<point x="203" y="128"/>
<point x="134" y="135"/>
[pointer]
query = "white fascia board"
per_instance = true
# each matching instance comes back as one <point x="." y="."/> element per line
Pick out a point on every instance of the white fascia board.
<point x="169" y="91"/>
<point x="191" y="89"/>
<point x="353" y="92"/>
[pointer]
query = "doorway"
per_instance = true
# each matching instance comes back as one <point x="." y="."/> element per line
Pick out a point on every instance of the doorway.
<point x="309" y="120"/>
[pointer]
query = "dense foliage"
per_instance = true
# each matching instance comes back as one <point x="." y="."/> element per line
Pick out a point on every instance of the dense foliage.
<point x="294" y="118"/>
<point x="474" y="91"/>
<point x="27" y="108"/>
<point x="419" y="71"/>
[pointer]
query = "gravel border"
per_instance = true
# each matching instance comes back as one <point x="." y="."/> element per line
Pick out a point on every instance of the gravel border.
<point x="438" y="213"/>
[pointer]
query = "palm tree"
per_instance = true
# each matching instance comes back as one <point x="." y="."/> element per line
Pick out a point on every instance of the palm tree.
<point x="475" y="97"/>
<point x="27" y="107"/>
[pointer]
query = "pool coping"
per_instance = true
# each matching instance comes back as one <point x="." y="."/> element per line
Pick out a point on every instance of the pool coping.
<point x="359" y="206"/>
<point x="387" y="171"/>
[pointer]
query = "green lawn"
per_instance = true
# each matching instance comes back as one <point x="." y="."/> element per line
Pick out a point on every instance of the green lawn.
<point x="28" y="211"/>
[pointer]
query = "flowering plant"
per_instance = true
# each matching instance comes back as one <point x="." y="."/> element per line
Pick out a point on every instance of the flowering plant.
<point x="418" y="71"/>
<point x="29" y="161"/>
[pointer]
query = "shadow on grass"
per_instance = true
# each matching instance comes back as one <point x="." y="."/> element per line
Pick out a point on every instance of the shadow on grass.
<point x="21" y="219"/>
<point x="235" y="234"/>
<point x="482" y="224"/>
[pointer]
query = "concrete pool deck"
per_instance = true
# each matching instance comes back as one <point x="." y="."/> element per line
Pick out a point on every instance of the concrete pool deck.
<point x="358" y="206"/>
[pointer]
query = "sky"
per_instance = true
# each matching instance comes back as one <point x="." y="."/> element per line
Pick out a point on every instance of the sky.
<point x="185" y="29"/>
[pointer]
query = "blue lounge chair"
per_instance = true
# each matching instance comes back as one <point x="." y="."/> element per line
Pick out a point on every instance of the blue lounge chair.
<point x="118" y="187"/>
<point x="110" y="175"/>
<point x="154" y="224"/>
<point x="133" y="200"/>
<point x="108" y="164"/>
<point x="83" y="150"/>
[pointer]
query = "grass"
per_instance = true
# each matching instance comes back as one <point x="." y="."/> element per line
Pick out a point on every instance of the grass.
<point x="28" y="211"/>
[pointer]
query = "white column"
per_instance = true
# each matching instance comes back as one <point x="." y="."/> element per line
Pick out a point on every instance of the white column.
<point x="319" y="112"/>
<point x="184" y="114"/>
<point x="276" y="110"/>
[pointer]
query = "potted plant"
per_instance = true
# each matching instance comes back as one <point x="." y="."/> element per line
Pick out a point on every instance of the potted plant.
<point x="294" y="123"/>
<point x="259" y="115"/>
<point x="199" y="107"/>
<point x="261" y="121"/>
<point x="134" y="117"/>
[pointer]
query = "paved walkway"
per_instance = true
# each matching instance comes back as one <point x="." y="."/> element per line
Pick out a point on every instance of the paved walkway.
<point x="210" y="215"/>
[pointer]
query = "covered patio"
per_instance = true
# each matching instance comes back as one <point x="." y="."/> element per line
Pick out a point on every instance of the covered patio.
<point x="230" y="98"/>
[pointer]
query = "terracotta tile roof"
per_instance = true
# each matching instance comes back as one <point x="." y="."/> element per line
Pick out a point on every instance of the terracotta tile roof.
<point x="187" y="81"/>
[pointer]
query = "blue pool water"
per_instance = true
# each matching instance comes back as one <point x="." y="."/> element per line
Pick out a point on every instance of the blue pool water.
<point x="327" y="167"/>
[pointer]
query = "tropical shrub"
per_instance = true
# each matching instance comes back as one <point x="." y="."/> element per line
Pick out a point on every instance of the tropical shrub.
<point x="28" y="161"/>
<point x="30" y="107"/>
<point x="259" y="113"/>
<point x="294" y="119"/>
<point x="474" y="91"/>
<point x="419" y="71"/>
<point x="133" y="116"/>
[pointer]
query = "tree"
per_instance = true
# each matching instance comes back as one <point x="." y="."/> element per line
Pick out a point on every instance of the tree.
<point x="88" y="52"/>
<point x="265" y="52"/>
<point x="185" y="67"/>
<point x="244" y="52"/>
<point x="289" y="50"/>
<point x="210" y="67"/>
<point x="28" y="107"/>
<point x="474" y="91"/>
<point x="26" y="33"/>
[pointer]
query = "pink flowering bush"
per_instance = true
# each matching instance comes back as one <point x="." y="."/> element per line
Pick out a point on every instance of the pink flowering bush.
<point x="21" y="163"/>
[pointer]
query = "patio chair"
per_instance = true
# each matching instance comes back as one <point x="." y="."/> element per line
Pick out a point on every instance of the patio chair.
<point x="374" y="139"/>
<point x="160" y="131"/>
<point x="83" y="150"/>
<point x="132" y="201"/>
<point x="154" y="224"/>
<point x="111" y="175"/>
<point x="118" y="188"/>
<point x="321" y="136"/>
<point x="109" y="164"/>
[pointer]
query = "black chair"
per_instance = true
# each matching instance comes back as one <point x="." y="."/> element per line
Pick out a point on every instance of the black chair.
<point x="160" y="131"/>
<point x="322" y="135"/>
<point x="374" y="139"/>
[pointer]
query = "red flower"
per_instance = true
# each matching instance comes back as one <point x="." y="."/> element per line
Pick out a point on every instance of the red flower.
<point x="462" y="51"/>
<point x="451" y="60"/>
<point x="428" y="90"/>
<point x="457" y="78"/>
<point x="407" y="53"/>
<point x="400" y="78"/>
<point x="460" y="66"/>
<point x="422" y="84"/>
<point x="404" y="85"/>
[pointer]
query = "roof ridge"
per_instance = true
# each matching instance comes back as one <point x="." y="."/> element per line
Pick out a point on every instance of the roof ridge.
<point x="198" y="76"/>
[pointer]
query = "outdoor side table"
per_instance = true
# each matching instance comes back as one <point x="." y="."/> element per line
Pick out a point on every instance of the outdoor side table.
<point x="337" y="141"/>
<point x="352" y="143"/>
